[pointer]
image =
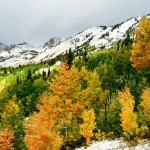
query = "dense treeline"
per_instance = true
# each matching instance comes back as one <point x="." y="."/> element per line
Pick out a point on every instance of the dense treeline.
<point x="91" y="96"/>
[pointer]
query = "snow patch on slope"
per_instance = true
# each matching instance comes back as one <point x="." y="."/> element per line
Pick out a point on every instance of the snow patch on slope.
<point x="57" y="64"/>
<point x="118" y="144"/>
<point x="17" y="54"/>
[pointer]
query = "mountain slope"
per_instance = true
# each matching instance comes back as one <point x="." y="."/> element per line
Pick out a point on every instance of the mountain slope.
<point x="96" y="36"/>
<point x="16" y="54"/>
<point x="101" y="36"/>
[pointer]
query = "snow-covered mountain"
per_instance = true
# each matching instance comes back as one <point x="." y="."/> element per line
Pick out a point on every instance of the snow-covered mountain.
<point x="17" y="54"/>
<point x="101" y="36"/>
<point x="2" y="45"/>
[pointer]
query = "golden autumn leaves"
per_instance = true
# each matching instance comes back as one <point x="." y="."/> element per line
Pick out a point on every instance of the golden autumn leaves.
<point x="140" y="55"/>
<point x="86" y="129"/>
<point x="128" y="117"/>
<point x="67" y="113"/>
<point x="72" y="110"/>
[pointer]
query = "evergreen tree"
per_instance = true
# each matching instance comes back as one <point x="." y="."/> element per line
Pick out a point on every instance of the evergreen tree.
<point x="70" y="58"/>
<point x="10" y="70"/>
<point x="118" y="45"/>
<point x="85" y="56"/>
<point x="18" y="80"/>
<point x="49" y="71"/>
<point x="5" y="71"/>
<point x="29" y="76"/>
<point x="43" y="73"/>
<point x="127" y="40"/>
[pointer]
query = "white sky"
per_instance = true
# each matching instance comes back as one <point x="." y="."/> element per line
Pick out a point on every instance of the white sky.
<point x="36" y="21"/>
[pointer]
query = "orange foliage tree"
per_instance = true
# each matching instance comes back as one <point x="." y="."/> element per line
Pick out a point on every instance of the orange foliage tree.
<point x="6" y="139"/>
<point x="67" y="86"/>
<point x="77" y="91"/>
<point x="140" y="55"/>
<point x="128" y="117"/>
<point x="61" y="113"/>
<point x="43" y="130"/>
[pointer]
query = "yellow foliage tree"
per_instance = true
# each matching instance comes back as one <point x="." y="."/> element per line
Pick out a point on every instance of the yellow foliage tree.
<point x="78" y="90"/>
<point x="3" y="84"/>
<point x="11" y="108"/>
<point x="140" y="55"/>
<point x="86" y="129"/>
<point x="146" y="103"/>
<point x="128" y="117"/>
<point x="67" y="86"/>
<point x="93" y="90"/>
<point x="61" y="112"/>
<point x="66" y="83"/>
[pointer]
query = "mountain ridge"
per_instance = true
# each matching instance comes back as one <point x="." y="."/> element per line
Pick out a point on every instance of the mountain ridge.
<point x="98" y="36"/>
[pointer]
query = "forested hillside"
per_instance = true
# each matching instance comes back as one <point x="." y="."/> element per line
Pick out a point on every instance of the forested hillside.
<point x="95" y="94"/>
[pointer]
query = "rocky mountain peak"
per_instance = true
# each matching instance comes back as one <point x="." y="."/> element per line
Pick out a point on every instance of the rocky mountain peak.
<point x="52" y="42"/>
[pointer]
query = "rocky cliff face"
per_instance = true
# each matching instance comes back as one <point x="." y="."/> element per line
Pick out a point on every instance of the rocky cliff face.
<point x="53" y="42"/>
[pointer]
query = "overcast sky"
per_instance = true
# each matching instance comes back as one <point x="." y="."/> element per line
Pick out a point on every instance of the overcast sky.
<point x="36" y="21"/>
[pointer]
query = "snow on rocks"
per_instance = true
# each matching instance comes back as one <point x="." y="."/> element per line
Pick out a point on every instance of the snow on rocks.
<point x="118" y="144"/>
<point x="58" y="63"/>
